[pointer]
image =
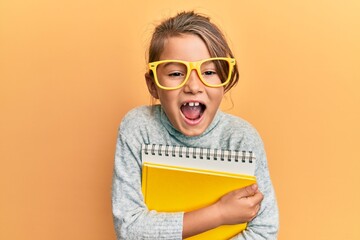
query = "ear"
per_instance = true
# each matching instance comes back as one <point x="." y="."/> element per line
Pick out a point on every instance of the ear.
<point x="151" y="85"/>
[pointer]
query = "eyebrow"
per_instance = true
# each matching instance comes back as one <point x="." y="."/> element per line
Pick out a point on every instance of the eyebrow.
<point x="173" y="63"/>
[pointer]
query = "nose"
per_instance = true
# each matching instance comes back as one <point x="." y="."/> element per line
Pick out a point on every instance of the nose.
<point x="194" y="83"/>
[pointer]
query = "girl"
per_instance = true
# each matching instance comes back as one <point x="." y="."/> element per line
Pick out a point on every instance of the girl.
<point x="191" y="68"/>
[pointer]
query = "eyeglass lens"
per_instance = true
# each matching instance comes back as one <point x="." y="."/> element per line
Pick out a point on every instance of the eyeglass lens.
<point x="212" y="72"/>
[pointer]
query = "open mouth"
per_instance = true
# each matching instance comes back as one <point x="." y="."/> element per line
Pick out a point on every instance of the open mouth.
<point x="193" y="110"/>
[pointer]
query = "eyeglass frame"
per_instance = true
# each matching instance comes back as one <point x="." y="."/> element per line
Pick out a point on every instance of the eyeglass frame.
<point x="192" y="66"/>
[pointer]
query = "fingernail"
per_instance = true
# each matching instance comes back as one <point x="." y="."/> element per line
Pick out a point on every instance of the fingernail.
<point x="254" y="186"/>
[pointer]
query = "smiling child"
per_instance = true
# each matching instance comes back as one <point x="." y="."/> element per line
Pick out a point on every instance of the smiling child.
<point x="191" y="67"/>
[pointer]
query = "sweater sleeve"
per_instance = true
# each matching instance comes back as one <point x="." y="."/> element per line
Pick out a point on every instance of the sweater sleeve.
<point x="132" y="219"/>
<point x="265" y="225"/>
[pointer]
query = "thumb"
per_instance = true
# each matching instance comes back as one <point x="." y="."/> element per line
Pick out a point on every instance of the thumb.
<point x="248" y="191"/>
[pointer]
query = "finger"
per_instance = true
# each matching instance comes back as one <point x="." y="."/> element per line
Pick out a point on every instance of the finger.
<point x="247" y="191"/>
<point x="257" y="209"/>
<point x="257" y="197"/>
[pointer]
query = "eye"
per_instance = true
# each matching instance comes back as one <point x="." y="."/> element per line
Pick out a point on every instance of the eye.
<point x="176" y="74"/>
<point x="209" y="73"/>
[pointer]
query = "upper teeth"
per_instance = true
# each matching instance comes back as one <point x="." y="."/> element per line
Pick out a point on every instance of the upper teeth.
<point x="192" y="104"/>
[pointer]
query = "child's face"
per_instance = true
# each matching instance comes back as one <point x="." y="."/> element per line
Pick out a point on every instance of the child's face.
<point x="191" y="108"/>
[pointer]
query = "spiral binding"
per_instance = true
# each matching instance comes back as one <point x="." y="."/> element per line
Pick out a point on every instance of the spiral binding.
<point x="200" y="153"/>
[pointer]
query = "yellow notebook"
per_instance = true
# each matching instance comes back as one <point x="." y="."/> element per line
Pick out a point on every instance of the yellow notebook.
<point x="183" y="179"/>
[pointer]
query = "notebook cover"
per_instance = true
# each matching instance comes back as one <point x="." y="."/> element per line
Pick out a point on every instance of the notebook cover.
<point x="173" y="189"/>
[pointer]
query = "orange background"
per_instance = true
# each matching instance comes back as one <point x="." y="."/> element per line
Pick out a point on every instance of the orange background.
<point x="70" y="70"/>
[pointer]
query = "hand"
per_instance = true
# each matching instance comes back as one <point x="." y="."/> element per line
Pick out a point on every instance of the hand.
<point x="239" y="206"/>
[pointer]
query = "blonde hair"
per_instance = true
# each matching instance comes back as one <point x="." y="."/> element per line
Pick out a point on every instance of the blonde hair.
<point x="199" y="25"/>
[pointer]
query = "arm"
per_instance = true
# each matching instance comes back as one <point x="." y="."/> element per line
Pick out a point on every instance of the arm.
<point x="132" y="219"/>
<point x="265" y="225"/>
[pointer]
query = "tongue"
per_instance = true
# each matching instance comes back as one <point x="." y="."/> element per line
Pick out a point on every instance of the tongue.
<point x="193" y="112"/>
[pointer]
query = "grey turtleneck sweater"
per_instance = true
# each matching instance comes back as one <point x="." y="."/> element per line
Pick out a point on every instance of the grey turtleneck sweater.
<point x="150" y="125"/>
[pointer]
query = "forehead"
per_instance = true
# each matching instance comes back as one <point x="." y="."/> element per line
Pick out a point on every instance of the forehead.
<point x="187" y="47"/>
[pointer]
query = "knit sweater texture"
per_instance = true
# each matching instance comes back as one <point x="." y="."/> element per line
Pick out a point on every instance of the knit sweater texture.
<point x="150" y="125"/>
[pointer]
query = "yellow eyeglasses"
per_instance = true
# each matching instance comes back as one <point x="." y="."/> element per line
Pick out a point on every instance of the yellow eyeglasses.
<point x="173" y="74"/>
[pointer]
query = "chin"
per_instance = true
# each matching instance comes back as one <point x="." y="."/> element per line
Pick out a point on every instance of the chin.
<point x="192" y="133"/>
